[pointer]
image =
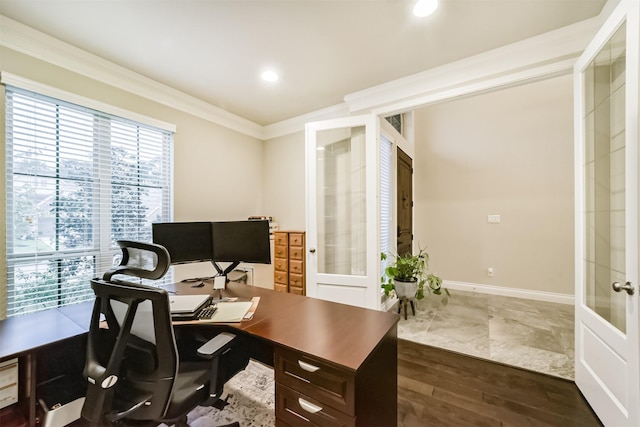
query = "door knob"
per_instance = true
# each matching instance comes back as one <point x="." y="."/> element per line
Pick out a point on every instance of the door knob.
<point x="312" y="250"/>
<point x="627" y="287"/>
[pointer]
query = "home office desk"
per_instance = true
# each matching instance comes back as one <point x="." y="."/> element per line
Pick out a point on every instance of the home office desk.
<point x="47" y="344"/>
<point x="334" y="364"/>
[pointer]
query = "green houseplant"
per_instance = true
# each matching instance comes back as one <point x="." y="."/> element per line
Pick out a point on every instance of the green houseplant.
<point x="408" y="274"/>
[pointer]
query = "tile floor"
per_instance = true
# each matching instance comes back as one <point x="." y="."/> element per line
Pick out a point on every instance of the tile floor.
<point x="531" y="334"/>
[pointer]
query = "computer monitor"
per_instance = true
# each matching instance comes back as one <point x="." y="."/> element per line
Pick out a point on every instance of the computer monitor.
<point x="185" y="241"/>
<point x="241" y="241"/>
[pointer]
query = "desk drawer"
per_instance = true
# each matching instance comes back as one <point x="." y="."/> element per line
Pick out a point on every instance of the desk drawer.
<point x="296" y="267"/>
<point x="296" y="280"/>
<point x="319" y="381"/>
<point x="297" y="409"/>
<point x="295" y="290"/>
<point x="281" y="251"/>
<point x="296" y="239"/>
<point x="280" y="239"/>
<point x="280" y="287"/>
<point x="296" y="252"/>
<point x="281" y="277"/>
<point x="280" y="264"/>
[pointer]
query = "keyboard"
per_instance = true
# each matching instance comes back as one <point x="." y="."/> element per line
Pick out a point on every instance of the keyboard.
<point x="206" y="313"/>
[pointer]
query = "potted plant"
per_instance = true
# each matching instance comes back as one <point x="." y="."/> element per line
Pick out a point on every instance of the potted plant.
<point x="408" y="274"/>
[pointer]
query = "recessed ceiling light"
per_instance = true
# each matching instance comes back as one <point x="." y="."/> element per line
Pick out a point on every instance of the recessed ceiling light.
<point x="269" y="76"/>
<point x="425" y="8"/>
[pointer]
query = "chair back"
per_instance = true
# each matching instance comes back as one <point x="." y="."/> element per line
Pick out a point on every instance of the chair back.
<point x="132" y="360"/>
<point x="139" y="259"/>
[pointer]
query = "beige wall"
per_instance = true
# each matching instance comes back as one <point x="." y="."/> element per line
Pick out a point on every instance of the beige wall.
<point x="510" y="153"/>
<point x="507" y="153"/>
<point x="218" y="172"/>
<point x="284" y="181"/>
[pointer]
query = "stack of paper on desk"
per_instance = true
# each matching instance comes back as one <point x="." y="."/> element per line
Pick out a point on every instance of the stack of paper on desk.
<point x="229" y="312"/>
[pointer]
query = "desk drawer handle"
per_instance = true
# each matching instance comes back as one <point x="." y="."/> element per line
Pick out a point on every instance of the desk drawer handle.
<point x="309" y="407"/>
<point x="307" y="367"/>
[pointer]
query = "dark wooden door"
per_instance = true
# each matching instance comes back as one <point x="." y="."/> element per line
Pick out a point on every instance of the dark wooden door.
<point x="405" y="203"/>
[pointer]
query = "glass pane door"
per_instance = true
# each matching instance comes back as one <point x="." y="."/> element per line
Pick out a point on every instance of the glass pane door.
<point x="341" y="208"/>
<point x="607" y="324"/>
<point x="343" y="230"/>
<point x="604" y="156"/>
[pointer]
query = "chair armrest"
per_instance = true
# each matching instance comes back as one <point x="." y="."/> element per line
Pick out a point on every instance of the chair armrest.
<point x="228" y="354"/>
<point x="216" y="345"/>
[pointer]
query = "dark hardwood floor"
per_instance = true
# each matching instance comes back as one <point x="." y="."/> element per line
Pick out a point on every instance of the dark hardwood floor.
<point x="440" y="388"/>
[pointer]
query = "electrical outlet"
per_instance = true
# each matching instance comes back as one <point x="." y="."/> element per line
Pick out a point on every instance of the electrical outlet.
<point x="490" y="271"/>
<point x="493" y="219"/>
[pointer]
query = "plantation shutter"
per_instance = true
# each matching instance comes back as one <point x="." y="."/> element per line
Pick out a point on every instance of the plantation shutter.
<point x="78" y="180"/>
<point x="386" y="190"/>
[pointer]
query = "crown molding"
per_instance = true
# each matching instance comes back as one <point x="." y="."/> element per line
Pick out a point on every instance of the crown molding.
<point x="74" y="98"/>
<point x="26" y="40"/>
<point x="296" y="124"/>
<point x="546" y="71"/>
<point x="541" y="56"/>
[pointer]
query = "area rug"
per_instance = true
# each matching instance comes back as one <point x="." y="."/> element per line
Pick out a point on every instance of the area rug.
<point x="251" y="401"/>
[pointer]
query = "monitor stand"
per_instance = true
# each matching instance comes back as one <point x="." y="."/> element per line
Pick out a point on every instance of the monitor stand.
<point x="226" y="271"/>
<point x="223" y="272"/>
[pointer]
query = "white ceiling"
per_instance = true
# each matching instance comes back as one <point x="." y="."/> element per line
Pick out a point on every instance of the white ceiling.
<point x="323" y="50"/>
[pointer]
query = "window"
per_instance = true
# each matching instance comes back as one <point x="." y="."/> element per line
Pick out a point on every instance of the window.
<point x="397" y="122"/>
<point x="386" y="192"/>
<point x="78" y="180"/>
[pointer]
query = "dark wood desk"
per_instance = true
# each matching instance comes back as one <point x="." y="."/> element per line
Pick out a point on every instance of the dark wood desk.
<point x="339" y="358"/>
<point x="35" y="340"/>
<point x="354" y="349"/>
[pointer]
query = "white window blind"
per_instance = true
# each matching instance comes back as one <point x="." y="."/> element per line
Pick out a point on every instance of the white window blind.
<point x="386" y="191"/>
<point x="78" y="180"/>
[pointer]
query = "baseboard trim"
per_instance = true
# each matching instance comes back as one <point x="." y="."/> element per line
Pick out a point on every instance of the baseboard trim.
<point x="387" y="303"/>
<point x="510" y="292"/>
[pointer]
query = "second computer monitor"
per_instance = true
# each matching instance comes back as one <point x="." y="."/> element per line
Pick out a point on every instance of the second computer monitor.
<point x="241" y="241"/>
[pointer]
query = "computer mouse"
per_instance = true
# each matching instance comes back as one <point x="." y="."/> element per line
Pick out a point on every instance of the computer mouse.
<point x="198" y="285"/>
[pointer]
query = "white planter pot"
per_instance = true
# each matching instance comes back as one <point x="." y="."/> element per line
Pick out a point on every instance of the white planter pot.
<point x="405" y="289"/>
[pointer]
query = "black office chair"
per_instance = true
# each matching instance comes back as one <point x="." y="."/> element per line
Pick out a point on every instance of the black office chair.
<point x="133" y="367"/>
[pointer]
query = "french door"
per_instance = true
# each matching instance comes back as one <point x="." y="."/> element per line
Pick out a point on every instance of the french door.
<point x="606" y="92"/>
<point x="342" y="210"/>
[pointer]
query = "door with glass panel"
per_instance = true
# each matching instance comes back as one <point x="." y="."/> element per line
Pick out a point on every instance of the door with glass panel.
<point x="342" y="211"/>
<point x="607" y="363"/>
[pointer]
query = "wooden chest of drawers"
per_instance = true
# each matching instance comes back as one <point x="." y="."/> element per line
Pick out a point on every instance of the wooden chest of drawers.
<point x="289" y="262"/>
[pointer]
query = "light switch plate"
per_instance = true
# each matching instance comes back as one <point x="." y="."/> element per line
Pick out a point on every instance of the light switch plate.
<point x="493" y="219"/>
